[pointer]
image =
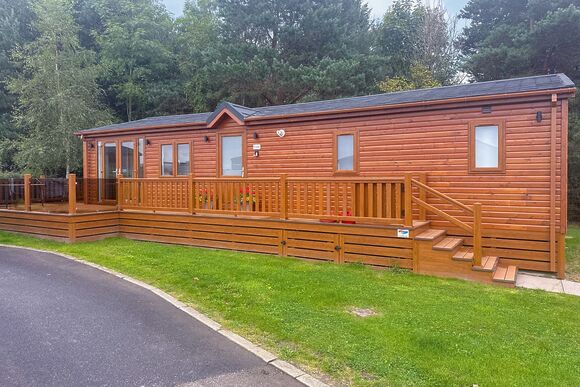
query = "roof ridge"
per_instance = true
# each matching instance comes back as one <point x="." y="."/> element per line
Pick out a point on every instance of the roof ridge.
<point x="562" y="76"/>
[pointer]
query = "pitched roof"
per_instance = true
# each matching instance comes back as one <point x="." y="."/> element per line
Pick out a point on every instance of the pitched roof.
<point x="506" y="86"/>
<point x="241" y="112"/>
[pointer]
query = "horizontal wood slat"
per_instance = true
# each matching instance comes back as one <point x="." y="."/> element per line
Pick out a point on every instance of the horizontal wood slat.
<point x="369" y="244"/>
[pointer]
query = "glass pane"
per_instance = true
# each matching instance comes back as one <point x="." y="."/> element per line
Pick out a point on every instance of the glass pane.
<point x="127" y="158"/>
<point x="183" y="159"/>
<point x="100" y="169"/>
<point x="167" y="160"/>
<point x="486" y="147"/>
<point x="110" y="170"/>
<point x="345" y="152"/>
<point x="232" y="156"/>
<point x="141" y="159"/>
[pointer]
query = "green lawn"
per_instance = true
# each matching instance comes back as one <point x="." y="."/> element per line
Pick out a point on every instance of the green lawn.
<point x="573" y="252"/>
<point x="427" y="331"/>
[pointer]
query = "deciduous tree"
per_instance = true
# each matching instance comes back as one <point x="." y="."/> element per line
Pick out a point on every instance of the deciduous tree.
<point x="57" y="91"/>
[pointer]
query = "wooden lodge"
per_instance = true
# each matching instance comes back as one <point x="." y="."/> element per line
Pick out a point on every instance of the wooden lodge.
<point x="465" y="181"/>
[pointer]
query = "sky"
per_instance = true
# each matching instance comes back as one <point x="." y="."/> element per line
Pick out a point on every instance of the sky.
<point x="378" y="7"/>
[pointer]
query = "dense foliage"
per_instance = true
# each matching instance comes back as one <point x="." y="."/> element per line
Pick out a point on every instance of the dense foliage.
<point x="70" y="64"/>
<point x="508" y="38"/>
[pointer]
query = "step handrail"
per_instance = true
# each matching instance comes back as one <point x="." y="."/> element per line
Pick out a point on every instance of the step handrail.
<point x="475" y="211"/>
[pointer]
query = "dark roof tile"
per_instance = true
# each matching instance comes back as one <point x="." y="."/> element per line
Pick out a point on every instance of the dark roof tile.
<point x="506" y="86"/>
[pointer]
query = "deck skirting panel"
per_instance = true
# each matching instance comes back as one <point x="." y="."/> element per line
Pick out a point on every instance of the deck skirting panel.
<point x="339" y="243"/>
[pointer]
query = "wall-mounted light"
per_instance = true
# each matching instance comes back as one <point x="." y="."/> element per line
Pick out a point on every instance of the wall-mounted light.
<point x="256" y="135"/>
<point x="91" y="145"/>
<point x="148" y="142"/>
<point x="205" y="139"/>
<point x="538" y="116"/>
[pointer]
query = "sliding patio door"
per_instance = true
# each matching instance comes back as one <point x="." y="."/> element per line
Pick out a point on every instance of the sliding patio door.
<point x="128" y="159"/>
<point x="107" y="171"/>
<point x="125" y="157"/>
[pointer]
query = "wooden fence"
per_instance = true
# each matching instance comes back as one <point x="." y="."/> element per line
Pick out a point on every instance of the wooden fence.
<point x="346" y="200"/>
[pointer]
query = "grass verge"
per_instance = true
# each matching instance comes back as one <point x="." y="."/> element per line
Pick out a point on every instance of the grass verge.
<point x="573" y="252"/>
<point x="426" y="331"/>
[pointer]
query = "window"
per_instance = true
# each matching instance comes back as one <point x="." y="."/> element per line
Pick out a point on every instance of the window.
<point x="182" y="159"/>
<point x="346" y="144"/>
<point x="486" y="147"/>
<point x="231" y="156"/>
<point x="127" y="158"/>
<point x="141" y="158"/>
<point x="167" y="160"/>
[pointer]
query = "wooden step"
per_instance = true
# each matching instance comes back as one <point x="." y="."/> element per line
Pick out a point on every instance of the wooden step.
<point x="488" y="263"/>
<point x="464" y="254"/>
<point x="431" y="235"/>
<point x="420" y="223"/>
<point x="506" y="274"/>
<point x="448" y="244"/>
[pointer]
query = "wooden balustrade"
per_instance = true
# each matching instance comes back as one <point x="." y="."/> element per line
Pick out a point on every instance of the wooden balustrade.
<point x="164" y="194"/>
<point x="336" y="199"/>
<point x="232" y="196"/>
<point x="346" y="199"/>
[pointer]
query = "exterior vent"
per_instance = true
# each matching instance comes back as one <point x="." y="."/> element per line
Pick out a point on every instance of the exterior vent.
<point x="486" y="109"/>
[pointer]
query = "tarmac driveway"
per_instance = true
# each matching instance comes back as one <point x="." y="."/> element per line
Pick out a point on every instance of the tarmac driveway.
<point x="66" y="324"/>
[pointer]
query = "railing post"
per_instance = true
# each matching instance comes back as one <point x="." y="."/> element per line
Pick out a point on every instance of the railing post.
<point x="423" y="197"/>
<point x="190" y="194"/>
<point x="119" y="191"/>
<point x="283" y="197"/>
<point x="85" y="190"/>
<point x="27" y="187"/>
<point x="477" y="248"/>
<point x="408" y="201"/>
<point x="72" y="193"/>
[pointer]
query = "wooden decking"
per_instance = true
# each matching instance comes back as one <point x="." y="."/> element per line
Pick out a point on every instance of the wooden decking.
<point x="380" y="222"/>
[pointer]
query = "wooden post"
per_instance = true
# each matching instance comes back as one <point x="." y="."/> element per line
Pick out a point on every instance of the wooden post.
<point x="85" y="173"/>
<point x="190" y="194"/>
<point x="119" y="191"/>
<point x="562" y="256"/>
<point x="423" y="197"/>
<point x="477" y="247"/>
<point x="72" y="193"/>
<point x="408" y="201"/>
<point x="43" y="193"/>
<point x="553" y="134"/>
<point x="283" y="197"/>
<point x="27" y="205"/>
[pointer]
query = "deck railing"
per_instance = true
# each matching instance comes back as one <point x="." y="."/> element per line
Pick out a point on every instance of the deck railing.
<point x="347" y="200"/>
<point x="475" y="212"/>
<point x="387" y="201"/>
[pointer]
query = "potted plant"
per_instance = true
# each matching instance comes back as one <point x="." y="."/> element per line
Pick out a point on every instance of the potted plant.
<point x="247" y="198"/>
<point x="348" y="213"/>
<point x="205" y="198"/>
